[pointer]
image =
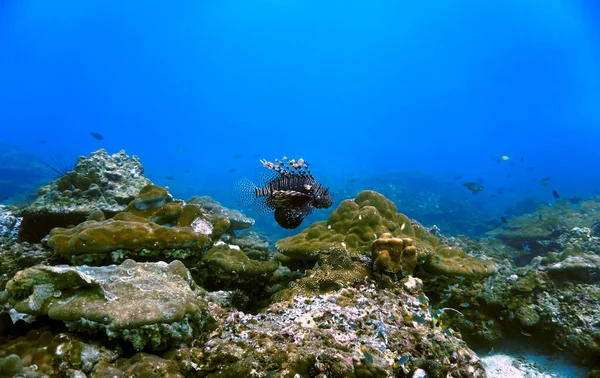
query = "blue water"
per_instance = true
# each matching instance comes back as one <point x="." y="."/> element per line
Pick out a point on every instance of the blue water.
<point x="363" y="91"/>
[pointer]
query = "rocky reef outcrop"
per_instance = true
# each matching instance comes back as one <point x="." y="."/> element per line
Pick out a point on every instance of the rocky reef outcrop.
<point x="98" y="182"/>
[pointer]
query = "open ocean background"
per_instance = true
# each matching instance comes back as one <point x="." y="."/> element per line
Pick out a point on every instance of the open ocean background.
<point x="401" y="97"/>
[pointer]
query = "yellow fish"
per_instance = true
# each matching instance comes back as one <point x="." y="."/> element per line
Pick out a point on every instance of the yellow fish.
<point x="505" y="157"/>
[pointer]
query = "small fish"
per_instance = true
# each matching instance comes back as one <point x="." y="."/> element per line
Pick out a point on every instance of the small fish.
<point x="531" y="169"/>
<point x="419" y="319"/>
<point x="473" y="186"/>
<point x="290" y="190"/>
<point x="503" y="219"/>
<point x="526" y="334"/>
<point x="237" y="156"/>
<point x="526" y="247"/>
<point x="97" y="136"/>
<point x="180" y="150"/>
<point x="232" y="170"/>
<point x="187" y="171"/>
<point x="540" y="217"/>
<point x="170" y="178"/>
<point x="555" y="194"/>
<point x="403" y="359"/>
<point x="505" y="158"/>
<point x="545" y="181"/>
<point x="256" y="155"/>
<point x="457" y="177"/>
<point x="465" y="305"/>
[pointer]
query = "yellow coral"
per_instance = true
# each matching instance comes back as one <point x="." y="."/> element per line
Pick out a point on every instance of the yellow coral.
<point x="394" y="255"/>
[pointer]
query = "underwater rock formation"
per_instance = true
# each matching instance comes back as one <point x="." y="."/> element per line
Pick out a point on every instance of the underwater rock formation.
<point x="150" y="305"/>
<point x="98" y="182"/>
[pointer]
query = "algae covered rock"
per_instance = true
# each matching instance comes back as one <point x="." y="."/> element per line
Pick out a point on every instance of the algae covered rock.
<point x="151" y="305"/>
<point x="98" y="182"/>
<point x="354" y="225"/>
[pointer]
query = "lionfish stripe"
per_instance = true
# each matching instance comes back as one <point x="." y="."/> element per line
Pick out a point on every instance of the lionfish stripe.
<point x="261" y="192"/>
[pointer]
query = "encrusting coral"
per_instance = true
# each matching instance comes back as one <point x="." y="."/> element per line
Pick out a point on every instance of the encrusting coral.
<point x="151" y="305"/>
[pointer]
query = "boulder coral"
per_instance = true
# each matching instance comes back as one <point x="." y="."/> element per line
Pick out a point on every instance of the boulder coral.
<point x="354" y="225"/>
<point x="149" y="222"/>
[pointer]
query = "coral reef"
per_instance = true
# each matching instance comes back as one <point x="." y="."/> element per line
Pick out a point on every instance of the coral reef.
<point x="350" y="332"/>
<point x="98" y="182"/>
<point x="551" y="228"/>
<point x="151" y="305"/>
<point x="366" y="293"/>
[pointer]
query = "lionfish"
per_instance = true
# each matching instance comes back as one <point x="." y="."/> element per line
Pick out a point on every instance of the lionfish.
<point x="287" y="187"/>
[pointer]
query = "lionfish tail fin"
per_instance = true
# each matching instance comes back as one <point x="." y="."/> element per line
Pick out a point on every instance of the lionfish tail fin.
<point x="244" y="192"/>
